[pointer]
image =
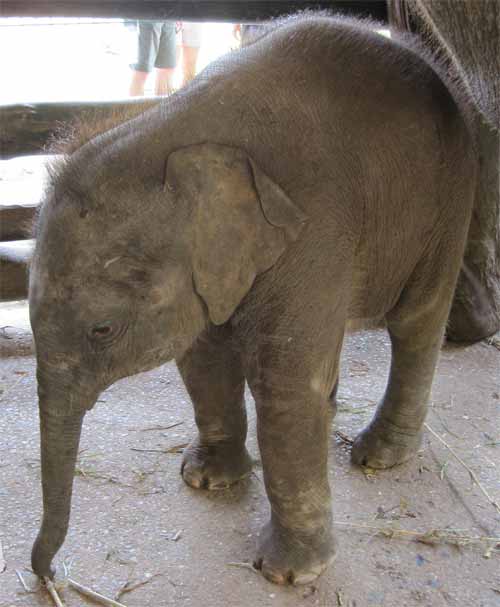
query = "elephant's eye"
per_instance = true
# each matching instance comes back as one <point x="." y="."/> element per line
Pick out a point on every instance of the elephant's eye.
<point x="101" y="331"/>
<point x="106" y="334"/>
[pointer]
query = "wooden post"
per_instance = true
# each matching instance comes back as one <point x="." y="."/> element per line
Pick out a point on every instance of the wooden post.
<point x="16" y="220"/>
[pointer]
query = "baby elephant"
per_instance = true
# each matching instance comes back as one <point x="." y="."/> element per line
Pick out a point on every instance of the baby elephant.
<point x="322" y="174"/>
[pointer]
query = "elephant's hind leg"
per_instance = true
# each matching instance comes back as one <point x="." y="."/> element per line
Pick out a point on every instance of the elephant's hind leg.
<point x="394" y="434"/>
<point x="213" y="375"/>
<point x="416" y="327"/>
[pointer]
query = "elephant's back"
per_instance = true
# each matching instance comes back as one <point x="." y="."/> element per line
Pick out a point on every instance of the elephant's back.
<point x="319" y="87"/>
<point x="380" y="140"/>
<point x="322" y="107"/>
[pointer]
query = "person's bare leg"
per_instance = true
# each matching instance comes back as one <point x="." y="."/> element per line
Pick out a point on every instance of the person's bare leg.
<point x="138" y="83"/>
<point x="164" y="83"/>
<point x="189" y="59"/>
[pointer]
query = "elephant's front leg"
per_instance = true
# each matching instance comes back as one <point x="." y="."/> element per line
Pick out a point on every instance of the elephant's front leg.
<point x="213" y="375"/>
<point x="296" y="545"/>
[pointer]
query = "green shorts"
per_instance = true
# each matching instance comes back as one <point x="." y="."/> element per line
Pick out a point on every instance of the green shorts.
<point x="155" y="45"/>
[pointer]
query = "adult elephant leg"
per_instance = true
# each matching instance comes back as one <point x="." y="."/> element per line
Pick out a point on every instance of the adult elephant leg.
<point x="465" y="35"/>
<point x="475" y="313"/>
<point x="213" y="375"/>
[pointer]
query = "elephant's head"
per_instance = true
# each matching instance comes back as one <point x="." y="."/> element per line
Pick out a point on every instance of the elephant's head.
<point x="126" y="273"/>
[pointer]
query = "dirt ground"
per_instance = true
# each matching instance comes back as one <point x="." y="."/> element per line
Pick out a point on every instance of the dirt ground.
<point x="135" y="522"/>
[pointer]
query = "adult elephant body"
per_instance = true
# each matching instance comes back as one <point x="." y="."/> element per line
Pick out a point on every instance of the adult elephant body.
<point x="236" y="228"/>
<point x="466" y="35"/>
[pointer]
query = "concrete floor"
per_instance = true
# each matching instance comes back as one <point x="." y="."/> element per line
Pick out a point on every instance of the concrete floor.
<point x="130" y="504"/>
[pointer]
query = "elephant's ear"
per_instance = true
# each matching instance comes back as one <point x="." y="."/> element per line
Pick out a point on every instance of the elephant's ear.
<point x="240" y="221"/>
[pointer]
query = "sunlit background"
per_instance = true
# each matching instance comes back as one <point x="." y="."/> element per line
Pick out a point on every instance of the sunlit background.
<point x="64" y="59"/>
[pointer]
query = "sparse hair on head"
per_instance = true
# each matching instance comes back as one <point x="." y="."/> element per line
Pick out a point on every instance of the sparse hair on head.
<point x="73" y="135"/>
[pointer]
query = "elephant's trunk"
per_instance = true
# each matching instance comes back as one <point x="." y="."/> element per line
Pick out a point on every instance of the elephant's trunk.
<point x="60" y="427"/>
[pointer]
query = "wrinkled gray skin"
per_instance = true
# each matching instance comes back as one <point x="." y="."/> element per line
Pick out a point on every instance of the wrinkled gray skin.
<point x="466" y="35"/>
<point x="467" y="32"/>
<point x="236" y="229"/>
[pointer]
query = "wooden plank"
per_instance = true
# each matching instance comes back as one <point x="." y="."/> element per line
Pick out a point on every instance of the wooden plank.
<point x="187" y="10"/>
<point x="14" y="260"/>
<point x="26" y="128"/>
<point x="16" y="220"/>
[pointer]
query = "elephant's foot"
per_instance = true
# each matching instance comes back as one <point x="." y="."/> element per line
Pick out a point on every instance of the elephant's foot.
<point x="383" y="445"/>
<point x="284" y="558"/>
<point x="215" y="466"/>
